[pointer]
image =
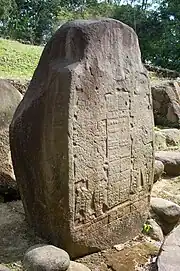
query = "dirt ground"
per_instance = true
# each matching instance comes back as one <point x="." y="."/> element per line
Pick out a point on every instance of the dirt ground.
<point x="16" y="237"/>
<point x="137" y="255"/>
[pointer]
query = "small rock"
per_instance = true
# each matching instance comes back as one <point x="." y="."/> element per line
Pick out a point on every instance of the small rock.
<point x="74" y="266"/>
<point x="155" y="232"/>
<point x="158" y="170"/>
<point x="4" y="268"/>
<point x="169" y="259"/>
<point x="171" y="161"/>
<point x="46" y="258"/>
<point x="167" y="213"/>
<point x="119" y="247"/>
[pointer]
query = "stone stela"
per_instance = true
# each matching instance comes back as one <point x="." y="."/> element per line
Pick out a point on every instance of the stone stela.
<point x="82" y="138"/>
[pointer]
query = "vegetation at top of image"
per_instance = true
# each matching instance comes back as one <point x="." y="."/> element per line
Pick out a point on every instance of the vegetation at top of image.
<point x="156" y="22"/>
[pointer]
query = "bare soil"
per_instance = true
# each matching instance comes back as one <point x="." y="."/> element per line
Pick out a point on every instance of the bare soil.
<point x="16" y="237"/>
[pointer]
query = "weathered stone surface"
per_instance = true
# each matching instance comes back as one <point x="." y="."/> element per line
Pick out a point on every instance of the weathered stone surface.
<point x="82" y="150"/>
<point x="46" y="258"/>
<point x="171" y="161"/>
<point x="155" y="232"/>
<point x="9" y="100"/>
<point x="169" y="259"/>
<point x="77" y="267"/>
<point x="167" y="213"/>
<point x="158" y="170"/>
<point x="166" y="103"/>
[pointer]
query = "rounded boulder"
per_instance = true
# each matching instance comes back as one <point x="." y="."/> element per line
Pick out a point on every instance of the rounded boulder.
<point x="46" y="258"/>
<point x="166" y="213"/>
<point x="171" y="161"/>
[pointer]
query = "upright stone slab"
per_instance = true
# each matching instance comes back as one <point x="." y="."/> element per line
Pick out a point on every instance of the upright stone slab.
<point x="82" y="140"/>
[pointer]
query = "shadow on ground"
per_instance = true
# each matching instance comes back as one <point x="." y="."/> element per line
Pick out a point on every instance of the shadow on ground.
<point x="15" y="235"/>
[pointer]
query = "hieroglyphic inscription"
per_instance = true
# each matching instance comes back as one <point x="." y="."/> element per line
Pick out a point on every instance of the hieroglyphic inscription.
<point x="118" y="149"/>
<point x="141" y="144"/>
<point x="102" y="155"/>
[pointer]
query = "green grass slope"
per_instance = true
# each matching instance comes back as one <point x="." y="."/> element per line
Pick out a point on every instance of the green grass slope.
<point x="17" y="60"/>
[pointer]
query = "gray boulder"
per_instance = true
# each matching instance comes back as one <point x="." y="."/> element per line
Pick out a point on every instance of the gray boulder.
<point x="9" y="100"/>
<point x="166" y="103"/>
<point x="158" y="170"/>
<point x="167" y="210"/>
<point x="74" y="266"/>
<point x="166" y="213"/>
<point x="171" y="161"/>
<point x="46" y="258"/>
<point x="169" y="259"/>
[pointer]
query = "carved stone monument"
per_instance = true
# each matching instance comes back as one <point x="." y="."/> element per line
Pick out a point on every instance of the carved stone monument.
<point x="82" y="138"/>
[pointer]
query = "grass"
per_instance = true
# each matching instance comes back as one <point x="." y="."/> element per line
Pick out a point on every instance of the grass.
<point x="17" y="60"/>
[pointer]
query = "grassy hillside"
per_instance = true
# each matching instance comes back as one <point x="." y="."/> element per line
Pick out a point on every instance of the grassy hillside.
<point x="18" y="60"/>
